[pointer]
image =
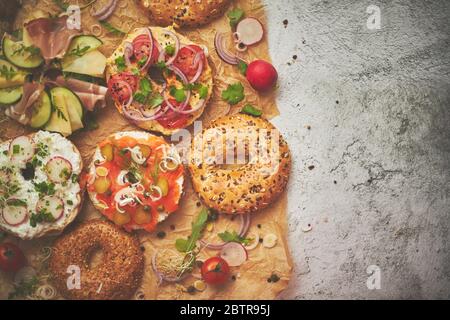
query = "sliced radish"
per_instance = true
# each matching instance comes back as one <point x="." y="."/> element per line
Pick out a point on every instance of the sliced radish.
<point x="21" y="149"/>
<point x="52" y="205"/>
<point x="270" y="240"/>
<point x="234" y="254"/>
<point x="249" y="31"/>
<point x="58" y="169"/>
<point x="15" y="215"/>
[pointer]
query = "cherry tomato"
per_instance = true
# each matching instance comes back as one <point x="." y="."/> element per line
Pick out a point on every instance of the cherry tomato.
<point x="12" y="258"/>
<point x="118" y="90"/>
<point x="172" y="119"/>
<point x="141" y="48"/>
<point x="261" y="75"/>
<point x="215" y="270"/>
<point x="185" y="59"/>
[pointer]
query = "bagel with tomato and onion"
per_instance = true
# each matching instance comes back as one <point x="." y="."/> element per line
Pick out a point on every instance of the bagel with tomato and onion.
<point x="190" y="13"/>
<point x="159" y="80"/>
<point x="40" y="188"/>
<point x="136" y="179"/>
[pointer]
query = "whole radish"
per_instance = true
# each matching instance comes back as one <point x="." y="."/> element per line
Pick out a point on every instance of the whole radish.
<point x="261" y="75"/>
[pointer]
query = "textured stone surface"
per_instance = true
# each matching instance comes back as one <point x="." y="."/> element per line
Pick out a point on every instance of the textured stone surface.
<point x="377" y="103"/>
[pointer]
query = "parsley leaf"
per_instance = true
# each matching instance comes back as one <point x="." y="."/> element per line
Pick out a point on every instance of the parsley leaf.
<point x="251" y="110"/>
<point x="187" y="245"/>
<point x="234" y="93"/>
<point x="156" y="100"/>
<point x="45" y="188"/>
<point x="170" y="50"/>
<point x="120" y="63"/>
<point x="235" y="16"/>
<point x="41" y="216"/>
<point x="178" y="94"/>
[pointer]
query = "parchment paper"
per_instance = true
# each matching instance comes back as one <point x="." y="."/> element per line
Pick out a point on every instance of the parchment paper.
<point x="251" y="278"/>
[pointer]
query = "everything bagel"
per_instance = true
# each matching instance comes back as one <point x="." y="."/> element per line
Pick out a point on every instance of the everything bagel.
<point x="117" y="276"/>
<point x="255" y="170"/>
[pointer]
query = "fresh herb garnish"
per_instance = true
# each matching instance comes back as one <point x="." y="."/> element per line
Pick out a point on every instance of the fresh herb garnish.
<point x="235" y="16"/>
<point x="7" y="73"/>
<point x="45" y="188"/>
<point x="178" y="94"/>
<point x="120" y="63"/>
<point x="145" y="88"/>
<point x="142" y="61"/>
<point x="16" y="203"/>
<point x="161" y="65"/>
<point x="200" y="88"/>
<point x="234" y="93"/>
<point x="233" y="237"/>
<point x="79" y="52"/>
<point x="242" y="66"/>
<point x="170" y="50"/>
<point x="41" y="216"/>
<point x="251" y="110"/>
<point x="187" y="245"/>
<point x="111" y="29"/>
<point x="59" y="112"/>
<point x="33" y="51"/>
<point x="156" y="100"/>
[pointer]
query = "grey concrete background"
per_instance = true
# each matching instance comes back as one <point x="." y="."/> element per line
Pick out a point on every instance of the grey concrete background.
<point x="377" y="103"/>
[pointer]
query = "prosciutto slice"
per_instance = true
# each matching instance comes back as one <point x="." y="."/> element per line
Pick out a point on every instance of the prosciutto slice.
<point x="91" y="95"/>
<point x="21" y="111"/>
<point x="51" y="35"/>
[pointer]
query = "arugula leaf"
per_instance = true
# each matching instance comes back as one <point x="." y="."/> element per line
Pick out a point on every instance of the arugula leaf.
<point x="178" y="94"/>
<point x="233" y="237"/>
<point x="111" y="29"/>
<point x="234" y="93"/>
<point x="235" y="16"/>
<point x="242" y="66"/>
<point x="187" y="245"/>
<point x="251" y="110"/>
<point x="120" y="63"/>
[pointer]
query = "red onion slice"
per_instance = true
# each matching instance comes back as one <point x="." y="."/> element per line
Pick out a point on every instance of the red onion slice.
<point x="177" y="47"/>
<point x="150" y="37"/>
<point x="245" y="224"/>
<point x="224" y="54"/>
<point x="198" y="60"/>
<point x="128" y="52"/>
<point x="106" y="11"/>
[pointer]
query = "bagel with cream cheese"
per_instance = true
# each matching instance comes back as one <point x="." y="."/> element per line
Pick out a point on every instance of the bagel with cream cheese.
<point x="40" y="190"/>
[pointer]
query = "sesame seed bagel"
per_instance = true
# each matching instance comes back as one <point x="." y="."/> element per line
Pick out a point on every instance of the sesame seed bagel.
<point x="239" y="164"/>
<point x="190" y="13"/>
<point x="117" y="276"/>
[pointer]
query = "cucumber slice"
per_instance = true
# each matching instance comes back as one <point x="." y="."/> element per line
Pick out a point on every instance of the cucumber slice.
<point x="21" y="58"/>
<point x="10" y="76"/>
<point x="59" y="119"/>
<point x="70" y="105"/>
<point x="10" y="95"/>
<point x="92" y="64"/>
<point x="42" y="110"/>
<point x="83" y="45"/>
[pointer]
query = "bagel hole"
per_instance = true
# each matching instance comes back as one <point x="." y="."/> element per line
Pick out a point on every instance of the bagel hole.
<point x="95" y="257"/>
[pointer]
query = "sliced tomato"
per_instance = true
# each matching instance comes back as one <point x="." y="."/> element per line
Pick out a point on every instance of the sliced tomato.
<point x="141" y="48"/>
<point x="172" y="119"/>
<point x="118" y="90"/>
<point x="186" y="58"/>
